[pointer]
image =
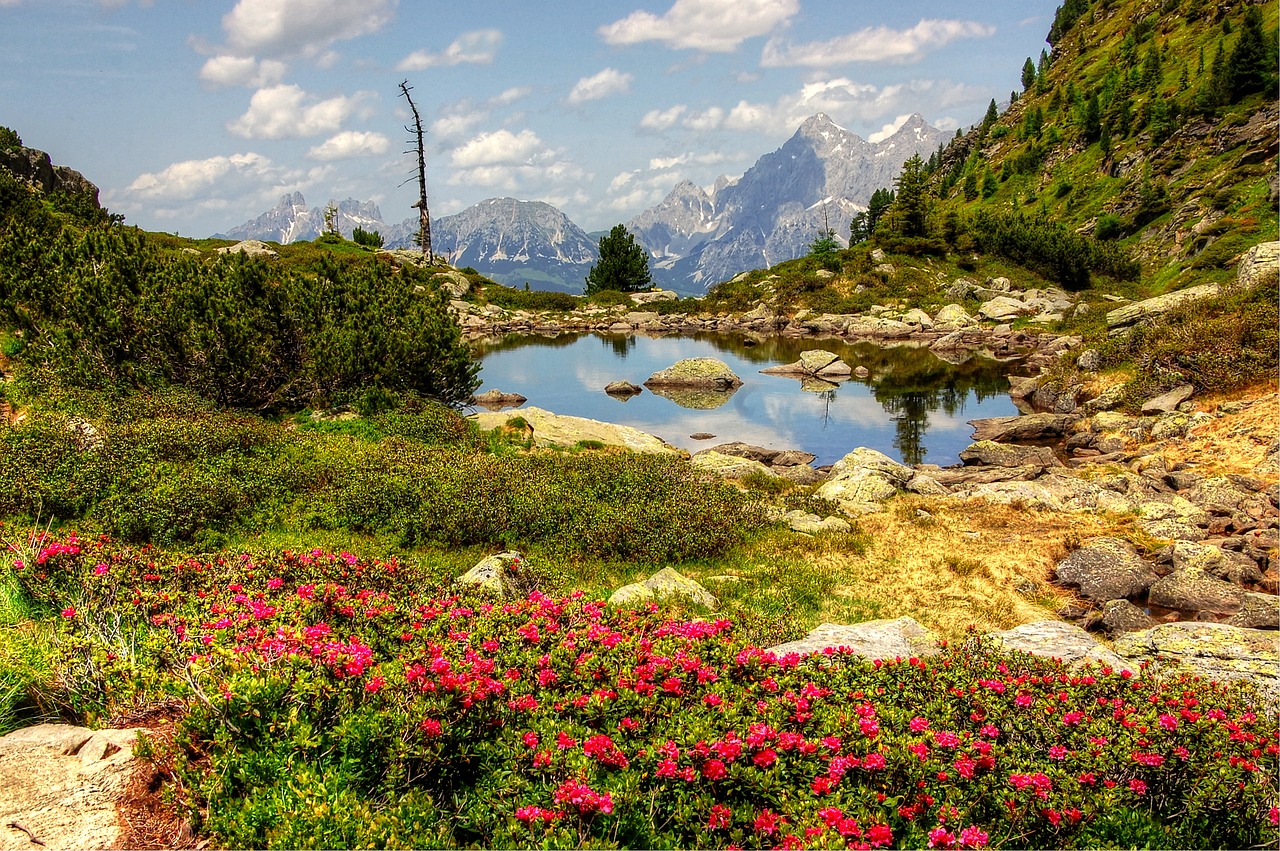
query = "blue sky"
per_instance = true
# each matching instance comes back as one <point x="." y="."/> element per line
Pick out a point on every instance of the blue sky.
<point x="195" y="115"/>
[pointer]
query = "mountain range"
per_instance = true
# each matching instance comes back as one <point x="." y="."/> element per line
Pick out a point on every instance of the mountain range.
<point x="695" y="237"/>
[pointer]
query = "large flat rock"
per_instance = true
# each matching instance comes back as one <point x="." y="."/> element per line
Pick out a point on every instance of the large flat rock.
<point x="62" y="783"/>
<point x="1215" y="651"/>
<point x="884" y="639"/>
<point x="561" y="430"/>
<point x="1131" y="313"/>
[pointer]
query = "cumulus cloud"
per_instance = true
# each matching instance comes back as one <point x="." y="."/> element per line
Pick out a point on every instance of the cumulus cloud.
<point x="610" y="81"/>
<point x="301" y="27"/>
<point x="889" y="129"/>
<point x="288" y="112"/>
<point x="187" y="179"/>
<point x="349" y="144"/>
<point x="498" y="147"/>
<point x="714" y="26"/>
<point x="846" y="101"/>
<point x="225" y="70"/>
<point x="514" y="162"/>
<point x="658" y="120"/>
<point x="511" y="95"/>
<point x="873" y="44"/>
<point x="477" y="47"/>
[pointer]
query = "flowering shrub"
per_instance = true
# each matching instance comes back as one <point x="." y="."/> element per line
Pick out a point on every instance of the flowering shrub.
<point x="336" y="702"/>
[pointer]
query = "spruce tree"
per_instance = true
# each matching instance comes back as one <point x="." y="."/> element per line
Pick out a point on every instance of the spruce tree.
<point x="623" y="265"/>
<point x="1028" y="74"/>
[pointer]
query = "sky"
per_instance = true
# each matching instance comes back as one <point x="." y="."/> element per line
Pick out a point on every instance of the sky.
<point x="193" y="116"/>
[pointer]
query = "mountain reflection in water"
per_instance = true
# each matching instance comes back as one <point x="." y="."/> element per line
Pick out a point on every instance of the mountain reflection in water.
<point x="912" y="406"/>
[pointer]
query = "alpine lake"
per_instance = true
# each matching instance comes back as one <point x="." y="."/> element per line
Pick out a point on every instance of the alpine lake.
<point x="912" y="405"/>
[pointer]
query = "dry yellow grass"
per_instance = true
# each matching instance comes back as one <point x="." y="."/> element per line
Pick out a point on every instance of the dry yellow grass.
<point x="966" y="564"/>
<point x="1235" y="443"/>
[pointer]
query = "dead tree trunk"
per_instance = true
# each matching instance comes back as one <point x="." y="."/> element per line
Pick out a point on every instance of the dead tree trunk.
<point x="424" y="217"/>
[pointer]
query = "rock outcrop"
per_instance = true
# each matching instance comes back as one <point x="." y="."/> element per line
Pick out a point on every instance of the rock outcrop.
<point x="559" y="430"/>
<point x="666" y="584"/>
<point x="59" y="786"/>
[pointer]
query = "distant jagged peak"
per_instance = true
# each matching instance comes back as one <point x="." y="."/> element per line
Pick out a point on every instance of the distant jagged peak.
<point x="816" y="124"/>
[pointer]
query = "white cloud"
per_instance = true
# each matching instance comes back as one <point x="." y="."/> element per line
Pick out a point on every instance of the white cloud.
<point x="873" y="44"/>
<point x="187" y="179"/>
<point x="659" y="120"/>
<point x="511" y="95"/>
<point x="889" y="129"/>
<point x="846" y="101"/>
<point x="305" y="27"/>
<point x="610" y="81"/>
<point x="455" y="125"/>
<point x="227" y="70"/>
<point x="478" y="47"/>
<point x="710" y="119"/>
<point x="349" y="144"/>
<point x="287" y="112"/>
<point x="498" y="147"/>
<point x="715" y="26"/>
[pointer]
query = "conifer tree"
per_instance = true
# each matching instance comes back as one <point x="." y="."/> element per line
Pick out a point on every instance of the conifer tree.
<point x="623" y="265"/>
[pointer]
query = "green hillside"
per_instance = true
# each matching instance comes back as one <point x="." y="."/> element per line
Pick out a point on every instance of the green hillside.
<point x="1150" y="124"/>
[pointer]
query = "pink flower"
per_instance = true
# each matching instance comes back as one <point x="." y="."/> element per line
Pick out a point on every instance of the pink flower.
<point x="767" y="822"/>
<point x="765" y="758"/>
<point x="100" y="570"/>
<point x="940" y="837"/>
<point x="713" y="769"/>
<point x="719" y="818"/>
<point x="974" y="837"/>
<point x="580" y="795"/>
<point x="374" y="684"/>
<point x="431" y="727"/>
<point x="1057" y="752"/>
<point x="69" y="612"/>
<point x="918" y="724"/>
<point x="1168" y="722"/>
<point x="530" y="740"/>
<point x="879" y="834"/>
<point x="1137" y="787"/>
<point x="873" y="762"/>
<point x="946" y="739"/>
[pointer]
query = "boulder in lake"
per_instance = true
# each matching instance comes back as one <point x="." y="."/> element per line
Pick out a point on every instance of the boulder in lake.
<point x="495" y="400"/>
<point x="623" y="388"/>
<point x="702" y="373"/>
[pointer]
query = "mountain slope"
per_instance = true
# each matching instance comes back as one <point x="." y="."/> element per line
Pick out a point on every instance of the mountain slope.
<point x="1138" y="128"/>
<point x="514" y="242"/>
<point x="292" y="220"/>
<point x="819" y="178"/>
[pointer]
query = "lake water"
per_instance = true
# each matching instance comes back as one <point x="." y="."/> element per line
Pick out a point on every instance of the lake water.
<point x="913" y="406"/>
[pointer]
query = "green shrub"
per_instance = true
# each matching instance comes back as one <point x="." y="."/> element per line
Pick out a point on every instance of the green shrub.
<point x="1217" y="344"/>
<point x="515" y="299"/>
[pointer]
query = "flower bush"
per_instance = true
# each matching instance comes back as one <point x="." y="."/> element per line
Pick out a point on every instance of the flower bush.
<point x="339" y="702"/>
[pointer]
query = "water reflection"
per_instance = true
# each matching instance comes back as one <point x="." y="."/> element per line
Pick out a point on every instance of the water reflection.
<point x="910" y="405"/>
